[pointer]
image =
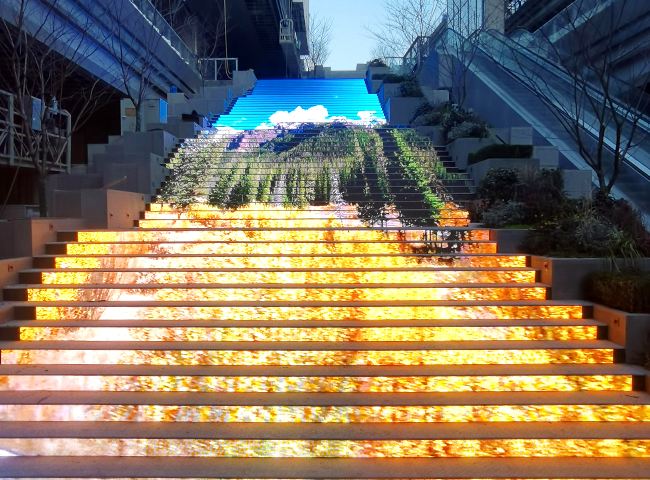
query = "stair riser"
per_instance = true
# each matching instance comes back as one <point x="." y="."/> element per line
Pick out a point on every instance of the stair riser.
<point x="328" y="414"/>
<point x="307" y="357"/>
<point x="249" y="448"/>
<point x="302" y="334"/>
<point x="178" y="311"/>
<point x="273" y="294"/>
<point x="288" y="277"/>
<point x="321" y="384"/>
<point x="277" y="248"/>
<point x="316" y="262"/>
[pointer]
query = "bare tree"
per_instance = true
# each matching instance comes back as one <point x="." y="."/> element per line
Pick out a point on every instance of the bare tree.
<point x="211" y="33"/>
<point x="319" y="37"/>
<point x="42" y="74"/>
<point x="135" y="56"/>
<point x="404" y="21"/>
<point x="577" y="77"/>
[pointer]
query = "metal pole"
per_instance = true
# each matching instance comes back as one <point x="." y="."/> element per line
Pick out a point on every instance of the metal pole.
<point x="12" y="134"/>
<point x="68" y="153"/>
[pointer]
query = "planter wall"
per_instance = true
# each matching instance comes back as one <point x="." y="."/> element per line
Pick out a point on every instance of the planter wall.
<point x="434" y="133"/>
<point x="387" y="91"/>
<point x="112" y="209"/>
<point x="27" y="237"/>
<point x="508" y="240"/>
<point x="479" y="171"/>
<point x="632" y="330"/>
<point x="400" y="110"/>
<point x="461" y="148"/>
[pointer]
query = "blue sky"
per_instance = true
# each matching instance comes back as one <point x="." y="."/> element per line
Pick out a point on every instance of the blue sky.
<point x="350" y="45"/>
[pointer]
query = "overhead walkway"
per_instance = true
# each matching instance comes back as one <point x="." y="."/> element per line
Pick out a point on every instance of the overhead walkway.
<point x="314" y="310"/>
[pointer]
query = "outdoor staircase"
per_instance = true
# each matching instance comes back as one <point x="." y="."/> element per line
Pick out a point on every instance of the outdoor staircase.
<point x="274" y="342"/>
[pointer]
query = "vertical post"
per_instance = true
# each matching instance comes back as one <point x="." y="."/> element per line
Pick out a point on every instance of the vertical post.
<point x="237" y="64"/>
<point x="215" y="70"/>
<point x="68" y="149"/>
<point x="12" y="132"/>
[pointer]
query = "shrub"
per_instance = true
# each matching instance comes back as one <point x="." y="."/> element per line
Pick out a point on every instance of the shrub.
<point x="468" y="129"/>
<point x="628" y="291"/>
<point x="500" y="151"/>
<point x="499" y="186"/>
<point x="390" y="77"/>
<point x="410" y="88"/>
<point x="377" y="62"/>
<point x="424" y="109"/>
<point x="503" y="214"/>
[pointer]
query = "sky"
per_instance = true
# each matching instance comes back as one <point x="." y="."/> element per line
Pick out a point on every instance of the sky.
<point x="350" y="44"/>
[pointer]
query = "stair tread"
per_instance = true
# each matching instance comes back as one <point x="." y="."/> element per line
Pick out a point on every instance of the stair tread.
<point x="63" y="397"/>
<point x="478" y="322"/>
<point x="311" y="346"/>
<point x="325" y="468"/>
<point x="287" y="286"/>
<point x="575" y="369"/>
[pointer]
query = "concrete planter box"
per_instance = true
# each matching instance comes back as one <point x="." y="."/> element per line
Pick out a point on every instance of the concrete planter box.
<point x="400" y="110"/>
<point x="375" y="86"/>
<point x="632" y="330"/>
<point x="112" y="209"/>
<point x="27" y="237"/>
<point x="566" y="276"/>
<point x="388" y="91"/>
<point x="9" y="270"/>
<point x="432" y="132"/>
<point x="508" y="240"/>
<point x="461" y="148"/>
<point x="578" y="183"/>
<point x="479" y="171"/>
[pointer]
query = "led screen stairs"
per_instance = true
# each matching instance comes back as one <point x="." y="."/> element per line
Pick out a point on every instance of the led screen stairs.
<point x="308" y="303"/>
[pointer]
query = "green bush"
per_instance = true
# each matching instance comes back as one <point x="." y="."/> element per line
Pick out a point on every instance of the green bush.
<point x="454" y="121"/>
<point x="424" y="109"/>
<point x="628" y="291"/>
<point x="377" y="62"/>
<point x="410" y="88"/>
<point x="499" y="186"/>
<point x="500" y="151"/>
<point x="504" y="214"/>
<point x="390" y="77"/>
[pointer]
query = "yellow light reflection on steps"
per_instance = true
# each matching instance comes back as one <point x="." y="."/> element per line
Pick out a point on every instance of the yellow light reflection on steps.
<point x="312" y="294"/>
<point x="249" y="448"/>
<point x="307" y="312"/>
<point x="305" y="334"/>
<point x="320" y="384"/>
<point x="328" y="414"/>
<point x="309" y="357"/>
<point x="290" y="276"/>
<point x="305" y="261"/>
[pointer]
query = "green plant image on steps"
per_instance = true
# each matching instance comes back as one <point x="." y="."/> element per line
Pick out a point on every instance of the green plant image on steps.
<point x="388" y="175"/>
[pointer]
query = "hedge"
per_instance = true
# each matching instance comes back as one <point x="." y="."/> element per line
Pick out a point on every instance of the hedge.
<point x="500" y="150"/>
<point x="625" y="291"/>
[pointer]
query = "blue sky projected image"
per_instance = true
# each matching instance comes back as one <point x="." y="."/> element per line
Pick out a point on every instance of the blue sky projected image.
<point x="276" y="103"/>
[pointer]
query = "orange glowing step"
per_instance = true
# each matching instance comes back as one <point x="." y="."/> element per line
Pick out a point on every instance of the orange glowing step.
<point x="276" y="247"/>
<point x="199" y="333"/>
<point x="256" y="261"/>
<point x="326" y="379"/>
<point x="334" y="234"/>
<point x="314" y="276"/>
<point x="248" y="448"/>
<point x="139" y="411"/>
<point x="288" y="353"/>
<point x="161" y="223"/>
<point x="275" y="292"/>
<point x="156" y="310"/>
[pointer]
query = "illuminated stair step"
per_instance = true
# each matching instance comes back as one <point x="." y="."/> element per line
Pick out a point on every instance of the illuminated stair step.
<point x="340" y="408"/>
<point x="252" y="261"/>
<point x="399" y="440"/>
<point x="334" y="234"/>
<point x="393" y="221"/>
<point x="297" y="310"/>
<point x="275" y="247"/>
<point x="274" y="292"/>
<point x="265" y="210"/>
<point x="304" y="334"/>
<point x="325" y="379"/>
<point x="297" y="353"/>
<point x="177" y="468"/>
<point x="199" y="276"/>
<point x="264" y="216"/>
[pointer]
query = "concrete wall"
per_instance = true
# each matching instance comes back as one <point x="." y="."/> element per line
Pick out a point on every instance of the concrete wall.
<point x="27" y="237"/>
<point x="400" y="110"/>
<point x="110" y="209"/>
<point x="632" y="330"/>
<point x="9" y="271"/>
<point x="460" y="149"/>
